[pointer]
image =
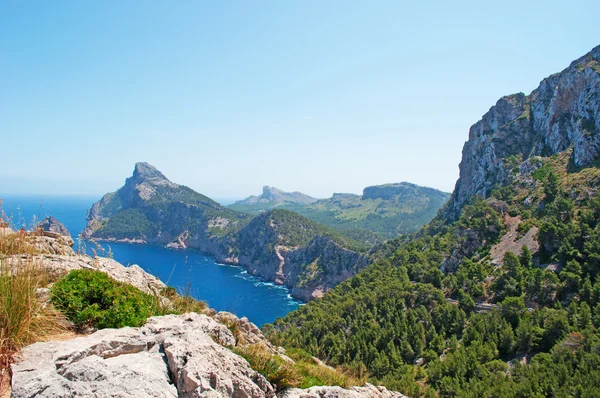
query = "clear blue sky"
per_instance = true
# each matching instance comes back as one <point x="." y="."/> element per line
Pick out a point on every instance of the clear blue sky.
<point x="227" y="96"/>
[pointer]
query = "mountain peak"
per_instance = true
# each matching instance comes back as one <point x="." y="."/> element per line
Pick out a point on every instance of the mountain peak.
<point x="562" y="112"/>
<point x="271" y="192"/>
<point x="145" y="171"/>
<point x="272" y="195"/>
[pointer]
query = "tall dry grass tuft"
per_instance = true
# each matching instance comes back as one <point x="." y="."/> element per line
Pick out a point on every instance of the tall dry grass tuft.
<point x="24" y="319"/>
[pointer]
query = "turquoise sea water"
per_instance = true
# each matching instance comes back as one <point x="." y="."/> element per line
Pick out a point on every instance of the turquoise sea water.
<point x="223" y="287"/>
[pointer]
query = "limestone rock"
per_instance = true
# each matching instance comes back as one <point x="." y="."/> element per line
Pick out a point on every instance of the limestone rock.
<point x="171" y="356"/>
<point x="61" y="245"/>
<point x="133" y="274"/>
<point x="563" y="112"/>
<point x="248" y="333"/>
<point x="52" y="225"/>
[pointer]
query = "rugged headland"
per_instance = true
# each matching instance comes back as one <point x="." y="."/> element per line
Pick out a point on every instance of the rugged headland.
<point x="270" y="198"/>
<point x="278" y="245"/>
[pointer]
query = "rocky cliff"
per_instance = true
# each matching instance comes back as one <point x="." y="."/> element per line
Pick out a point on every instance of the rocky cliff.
<point x="562" y="112"/>
<point x="292" y="250"/>
<point x="278" y="245"/>
<point x="52" y="225"/>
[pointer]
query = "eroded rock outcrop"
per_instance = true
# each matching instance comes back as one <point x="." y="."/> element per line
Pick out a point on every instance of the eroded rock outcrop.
<point x="53" y="226"/>
<point x="171" y="356"/>
<point x="563" y="112"/>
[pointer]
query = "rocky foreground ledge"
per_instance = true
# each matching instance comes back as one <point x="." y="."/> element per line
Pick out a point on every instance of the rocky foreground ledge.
<point x="171" y="356"/>
<point x="185" y="355"/>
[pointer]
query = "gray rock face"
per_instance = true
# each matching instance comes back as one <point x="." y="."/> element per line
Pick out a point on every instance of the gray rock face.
<point x="171" y="356"/>
<point x="133" y="274"/>
<point x="52" y="225"/>
<point x="308" y="269"/>
<point x="320" y="266"/>
<point x="563" y="111"/>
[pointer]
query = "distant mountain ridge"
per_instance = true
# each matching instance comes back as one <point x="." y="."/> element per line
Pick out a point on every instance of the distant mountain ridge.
<point x="382" y="212"/>
<point x="273" y="197"/>
<point x="278" y="245"/>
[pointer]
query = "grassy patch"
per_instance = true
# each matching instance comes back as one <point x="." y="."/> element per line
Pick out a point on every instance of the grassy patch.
<point x="304" y="373"/>
<point x="275" y="369"/>
<point x="182" y="304"/>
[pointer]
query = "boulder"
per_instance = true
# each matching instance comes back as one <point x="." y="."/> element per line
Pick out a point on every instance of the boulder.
<point x="52" y="225"/>
<point x="171" y="356"/>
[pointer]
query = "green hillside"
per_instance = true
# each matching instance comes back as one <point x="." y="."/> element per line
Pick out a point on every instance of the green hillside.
<point x="382" y="212"/>
<point x="472" y="326"/>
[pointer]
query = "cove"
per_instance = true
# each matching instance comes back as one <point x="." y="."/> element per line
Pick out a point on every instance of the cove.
<point x="222" y="287"/>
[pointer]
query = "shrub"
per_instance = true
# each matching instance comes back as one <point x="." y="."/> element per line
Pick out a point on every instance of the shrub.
<point x="91" y="298"/>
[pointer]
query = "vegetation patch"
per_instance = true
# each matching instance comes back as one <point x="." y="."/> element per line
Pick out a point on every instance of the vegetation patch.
<point x="93" y="299"/>
<point x="528" y="326"/>
<point x="23" y="318"/>
<point x="303" y="372"/>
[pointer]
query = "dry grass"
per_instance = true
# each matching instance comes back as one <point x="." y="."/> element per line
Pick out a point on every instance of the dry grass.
<point x="180" y="304"/>
<point x="303" y="373"/>
<point x="24" y="319"/>
<point x="16" y="244"/>
<point x="275" y="369"/>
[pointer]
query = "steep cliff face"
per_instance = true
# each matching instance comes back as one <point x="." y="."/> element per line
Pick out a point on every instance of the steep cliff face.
<point x="563" y="112"/>
<point x="320" y="266"/>
<point x="292" y="250"/>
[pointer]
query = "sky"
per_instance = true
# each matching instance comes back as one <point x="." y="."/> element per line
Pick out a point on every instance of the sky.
<point x="228" y="96"/>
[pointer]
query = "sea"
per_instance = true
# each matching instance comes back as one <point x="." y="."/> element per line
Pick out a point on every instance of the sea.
<point x="222" y="287"/>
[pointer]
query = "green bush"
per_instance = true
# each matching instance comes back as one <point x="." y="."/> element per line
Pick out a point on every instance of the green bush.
<point x="91" y="298"/>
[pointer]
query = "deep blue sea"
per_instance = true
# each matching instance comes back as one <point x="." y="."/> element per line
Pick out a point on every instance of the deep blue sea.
<point x="223" y="287"/>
